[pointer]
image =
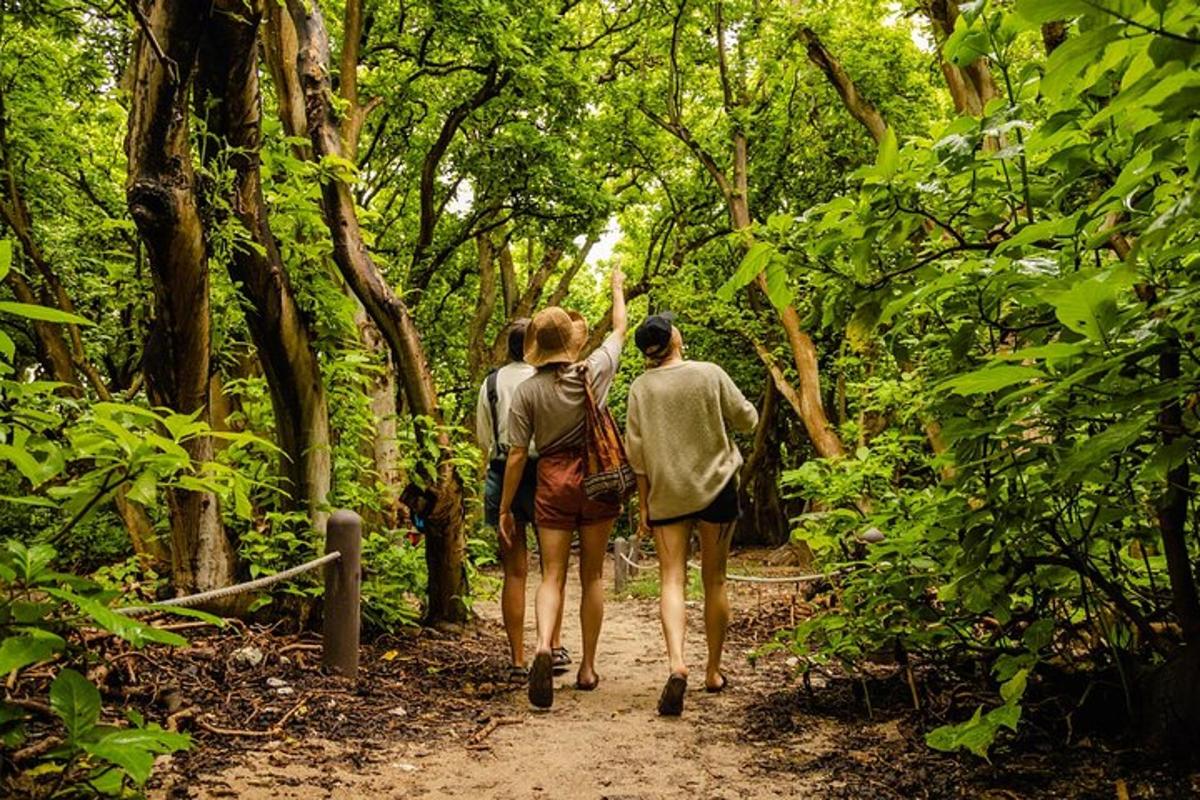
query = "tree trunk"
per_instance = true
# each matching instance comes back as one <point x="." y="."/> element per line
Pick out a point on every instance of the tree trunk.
<point x="479" y="355"/>
<point x="804" y="351"/>
<point x="1173" y="506"/>
<point x="162" y="200"/>
<point x="862" y="108"/>
<point x="445" y="542"/>
<point x="765" y="522"/>
<point x="228" y="75"/>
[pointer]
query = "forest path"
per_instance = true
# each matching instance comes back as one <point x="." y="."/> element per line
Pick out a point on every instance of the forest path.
<point x="608" y="744"/>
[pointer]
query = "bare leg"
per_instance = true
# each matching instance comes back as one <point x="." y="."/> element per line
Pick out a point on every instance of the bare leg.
<point x="714" y="553"/>
<point x="672" y="543"/>
<point x="515" y="561"/>
<point x="593" y="546"/>
<point x="556" y="551"/>
<point x="557" y="641"/>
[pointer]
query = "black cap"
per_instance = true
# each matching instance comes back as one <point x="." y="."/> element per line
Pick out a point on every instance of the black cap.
<point x="653" y="337"/>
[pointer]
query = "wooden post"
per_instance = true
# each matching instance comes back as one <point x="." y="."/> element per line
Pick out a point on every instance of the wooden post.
<point x="339" y="653"/>
<point x="620" y="568"/>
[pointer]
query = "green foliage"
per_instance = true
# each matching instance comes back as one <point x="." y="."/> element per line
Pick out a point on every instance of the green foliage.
<point x="1035" y="345"/>
<point x="43" y="614"/>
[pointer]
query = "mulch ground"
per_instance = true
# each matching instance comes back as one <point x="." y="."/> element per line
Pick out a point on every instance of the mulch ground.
<point x="880" y="751"/>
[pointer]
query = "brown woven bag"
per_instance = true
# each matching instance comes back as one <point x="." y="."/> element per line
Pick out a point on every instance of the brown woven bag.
<point x="607" y="474"/>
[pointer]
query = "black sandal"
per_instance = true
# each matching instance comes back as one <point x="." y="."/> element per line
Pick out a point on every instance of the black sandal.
<point x="587" y="687"/>
<point x="541" y="681"/>
<point x="562" y="659"/>
<point x="718" y="689"/>
<point x="670" y="702"/>
<point x="518" y="674"/>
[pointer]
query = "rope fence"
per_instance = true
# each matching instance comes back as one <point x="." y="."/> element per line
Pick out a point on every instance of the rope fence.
<point x="623" y="560"/>
<point x="200" y="598"/>
<point x="342" y="602"/>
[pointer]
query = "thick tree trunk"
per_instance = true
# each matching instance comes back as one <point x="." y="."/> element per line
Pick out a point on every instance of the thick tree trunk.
<point x="280" y="52"/>
<point x="445" y="543"/>
<point x="162" y="200"/>
<point x="228" y="76"/>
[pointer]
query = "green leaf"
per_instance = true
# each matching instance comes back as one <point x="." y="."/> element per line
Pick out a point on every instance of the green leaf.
<point x="41" y="313"/>
<point x="129" y="629"/>
<point x="1013" y="689"/>
<point x="28" y="647"/>
<point x="754" y="262"/>
<point x="6" y="255"/>
<point x="1098" y="449"/>
<point x="142" y="490"/>
<point x="1038" y="12"/>
<point x="133" y="749"/>
<point x="991" y="379"/>
<point x="76" y="702"/>
<point x="1088" y="308"/>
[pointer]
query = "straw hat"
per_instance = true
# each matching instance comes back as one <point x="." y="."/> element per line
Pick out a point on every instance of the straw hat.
<point x="555" y="336"/>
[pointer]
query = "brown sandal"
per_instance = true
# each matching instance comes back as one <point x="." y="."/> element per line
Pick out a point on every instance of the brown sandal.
<point x="541" y="681"/>
<point x="670" y="702"/>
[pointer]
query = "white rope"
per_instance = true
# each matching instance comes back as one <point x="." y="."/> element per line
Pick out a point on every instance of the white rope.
<point x="738" y="578"/>
<point x="217" y="594"/>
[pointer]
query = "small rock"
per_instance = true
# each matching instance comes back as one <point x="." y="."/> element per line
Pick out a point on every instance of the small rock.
<point x="276" y="683"/>
<point x="398" y="711"/>
<point x="247" y="657"/>
<point x="403" y="767"/>
<point x="284" y="691"/>
<point x="284" y="661"/>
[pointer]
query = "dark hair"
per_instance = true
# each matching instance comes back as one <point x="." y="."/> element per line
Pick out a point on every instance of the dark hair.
<point x="516" y="339"/>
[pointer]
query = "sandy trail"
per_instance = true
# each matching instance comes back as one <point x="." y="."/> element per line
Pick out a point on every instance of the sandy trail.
<point x="606" y="744"/>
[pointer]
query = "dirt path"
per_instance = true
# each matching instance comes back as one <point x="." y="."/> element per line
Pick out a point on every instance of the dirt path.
<point x="603" y="744"/>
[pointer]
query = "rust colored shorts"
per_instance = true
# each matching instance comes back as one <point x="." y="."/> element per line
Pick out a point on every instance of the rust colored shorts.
<point x="560" y="502"/>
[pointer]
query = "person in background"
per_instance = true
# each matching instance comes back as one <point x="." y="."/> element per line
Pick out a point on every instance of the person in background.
<point x="491" y="430"/>
<point x="677" y="435"/>
<point x="551" y="408"/>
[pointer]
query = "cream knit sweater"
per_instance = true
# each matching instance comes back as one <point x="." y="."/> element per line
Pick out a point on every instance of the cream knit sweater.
<point x="676" y="434"/>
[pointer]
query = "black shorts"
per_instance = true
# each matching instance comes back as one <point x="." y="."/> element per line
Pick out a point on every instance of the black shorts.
<point x="724" y="508"/>
<point x="493" y="485"/>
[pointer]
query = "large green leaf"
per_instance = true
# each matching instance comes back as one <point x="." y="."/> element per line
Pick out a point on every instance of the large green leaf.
<point x="1038" y="12"/>
<point x="753" y="263"/>
<point x="991" y="379"/>
<point x="28" y="647"/>
<point x="134" y="749"/>
<point x="40" y="313"/>
<point x="76" y="702"/>
<point x="6" y="254"/>
<point x="1088" y="308"/>
<point x="1098" y="449"/>
<point x="135" y="632"/>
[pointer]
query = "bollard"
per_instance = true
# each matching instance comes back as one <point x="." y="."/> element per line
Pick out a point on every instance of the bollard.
<point x="343" y="578"/>
<point x="620" y="568"/>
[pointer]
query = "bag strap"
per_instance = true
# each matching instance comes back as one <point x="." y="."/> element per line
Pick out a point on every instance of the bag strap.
<point x="493" y="398"/>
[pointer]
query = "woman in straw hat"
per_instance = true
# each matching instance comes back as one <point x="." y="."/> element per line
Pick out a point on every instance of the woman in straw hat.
<point x="550" y="408"/>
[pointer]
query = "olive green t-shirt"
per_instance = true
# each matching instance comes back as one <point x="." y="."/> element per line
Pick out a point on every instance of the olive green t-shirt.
<point x="549" y="407"/>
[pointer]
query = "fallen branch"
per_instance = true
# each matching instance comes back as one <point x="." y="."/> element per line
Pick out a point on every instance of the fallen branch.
<point x="486" y="731"/>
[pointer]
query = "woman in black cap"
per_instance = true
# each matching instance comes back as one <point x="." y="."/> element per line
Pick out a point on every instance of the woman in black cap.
<point x="679" y="412"/>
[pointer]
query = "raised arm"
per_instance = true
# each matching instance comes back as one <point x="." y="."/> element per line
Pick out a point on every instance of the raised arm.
<point x="620" y="320"/>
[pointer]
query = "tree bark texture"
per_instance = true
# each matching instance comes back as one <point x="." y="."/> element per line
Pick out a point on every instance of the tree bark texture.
<point x="227" y="94"/>
<point x="161" y="194"/>
<point x="445" y="542"/>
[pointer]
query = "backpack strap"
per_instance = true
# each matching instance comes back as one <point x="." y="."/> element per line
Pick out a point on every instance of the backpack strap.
<point x="493" y="398"/>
